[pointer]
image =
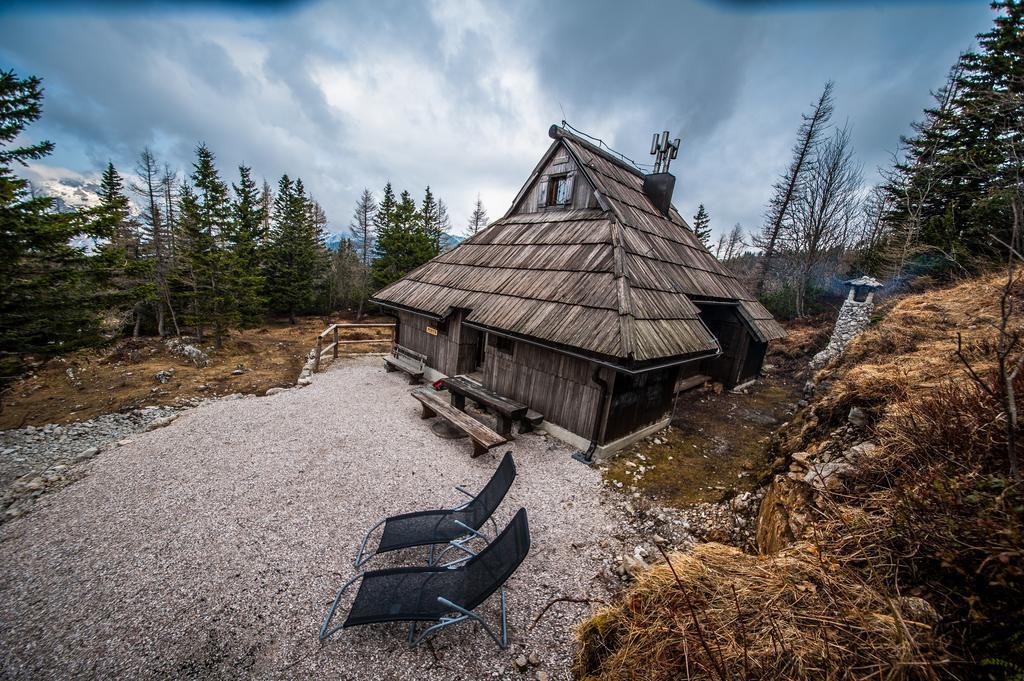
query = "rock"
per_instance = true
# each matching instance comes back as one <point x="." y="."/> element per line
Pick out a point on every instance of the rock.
<point x="857" y="417"/>
<point x="542" y="676"/>
<point x="274" y="391"/>
<point x="783" y="517"/>
<point x="659" y="540"/>
<point x="521" y="663"/>
<point x="801" y="458"/>
<point x="632" y="566"/>
<point x="88" y="453"/>
<point x="161" y="422"/>
<point x="164" y="376"/>
<point x="534" y="660"/>
<point x="860" y="451"/>
<point x="305" y="380"/>
<point x="122" y="443"/>
<point x="918" y="610"/>
<point x="179" y="347"/>
<point x="827" y="475"/>
<point x="237" y="372"/>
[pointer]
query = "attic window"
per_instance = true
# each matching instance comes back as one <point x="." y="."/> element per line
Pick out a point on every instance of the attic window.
<point x="558" y="190"/>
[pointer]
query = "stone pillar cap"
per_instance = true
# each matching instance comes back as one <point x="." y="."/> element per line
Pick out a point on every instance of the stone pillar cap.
<point x="868" y="282"/>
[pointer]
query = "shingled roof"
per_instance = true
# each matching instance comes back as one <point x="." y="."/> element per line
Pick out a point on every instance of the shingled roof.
<point x="617" y="281"/>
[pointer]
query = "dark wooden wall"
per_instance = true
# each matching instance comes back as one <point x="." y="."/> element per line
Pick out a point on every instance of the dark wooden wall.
<point x="639" y="400"/>
<point x="751" y="369"/>
<point x="452" y="351"/>
<point x="556" y="385"/>
<point x="733" y="336"/>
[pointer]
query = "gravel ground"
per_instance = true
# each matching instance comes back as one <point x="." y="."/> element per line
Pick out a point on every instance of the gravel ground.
<point x="34" y="460"/>
<point x="213" y="546"/>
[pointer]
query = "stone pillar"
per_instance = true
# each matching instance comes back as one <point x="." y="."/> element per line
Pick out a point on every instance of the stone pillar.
<point x="854" y="317"/>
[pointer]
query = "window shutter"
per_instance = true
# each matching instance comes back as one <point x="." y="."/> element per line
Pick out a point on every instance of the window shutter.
<point x="542" y="191"/>
<point x="568" y="188"/>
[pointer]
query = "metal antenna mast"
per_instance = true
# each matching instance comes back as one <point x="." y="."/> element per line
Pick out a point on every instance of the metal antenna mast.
<point x="663" y="150"/>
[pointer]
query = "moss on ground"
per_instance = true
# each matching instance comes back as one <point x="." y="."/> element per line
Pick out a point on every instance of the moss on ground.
<point x="717" y="446"/>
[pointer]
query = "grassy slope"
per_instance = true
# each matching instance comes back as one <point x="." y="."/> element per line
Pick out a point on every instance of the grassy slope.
<point x="932" y="514"/>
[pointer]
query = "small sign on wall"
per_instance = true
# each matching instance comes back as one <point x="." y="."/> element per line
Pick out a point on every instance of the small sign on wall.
<point x="432" y="331"/>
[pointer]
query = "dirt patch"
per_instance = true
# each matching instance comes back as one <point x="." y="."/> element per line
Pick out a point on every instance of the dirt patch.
<point x="716" y="447"/>
<point x="85" y="384"/>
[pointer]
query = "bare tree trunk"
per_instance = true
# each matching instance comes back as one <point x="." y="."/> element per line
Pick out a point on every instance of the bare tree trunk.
<point x="807" y="137"/>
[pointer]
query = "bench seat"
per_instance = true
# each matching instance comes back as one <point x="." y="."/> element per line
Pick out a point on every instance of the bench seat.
<point x="405" y="360"/>
<point x="433" y="405"/>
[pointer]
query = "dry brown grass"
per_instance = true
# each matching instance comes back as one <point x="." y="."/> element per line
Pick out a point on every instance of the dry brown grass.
<point x="718" y="613"/>
<point x="933" y="513"/>
<point x="913" y="347"/>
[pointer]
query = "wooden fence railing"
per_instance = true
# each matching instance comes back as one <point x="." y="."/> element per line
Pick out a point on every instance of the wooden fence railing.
<point x="337" y="342"/>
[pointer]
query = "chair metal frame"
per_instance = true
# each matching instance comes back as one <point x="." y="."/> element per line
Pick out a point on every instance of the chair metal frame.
<point x="456" y="543"/>
<point x="444" y="621"/>
<point x="451" y="612"/>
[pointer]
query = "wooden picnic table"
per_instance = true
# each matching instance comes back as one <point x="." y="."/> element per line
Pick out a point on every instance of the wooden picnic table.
<point x="506" y="411"/>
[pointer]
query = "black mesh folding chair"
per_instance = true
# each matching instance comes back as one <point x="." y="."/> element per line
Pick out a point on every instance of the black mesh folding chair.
<point x="441" y="595"/>
<point x="444" y="526"/>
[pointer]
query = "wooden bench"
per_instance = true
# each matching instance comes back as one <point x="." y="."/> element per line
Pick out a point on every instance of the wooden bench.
<point x="404" y="359"/>
<point x="505" y="411"/>
<point x="434" y="405"/>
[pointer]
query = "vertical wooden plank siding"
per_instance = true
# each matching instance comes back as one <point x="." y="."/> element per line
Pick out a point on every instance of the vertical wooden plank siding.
<point x="452" y="351"/>
<point x="556" y="385"/>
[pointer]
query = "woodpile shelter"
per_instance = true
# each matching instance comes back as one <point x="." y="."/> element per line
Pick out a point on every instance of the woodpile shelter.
<point x="591" y="300"/>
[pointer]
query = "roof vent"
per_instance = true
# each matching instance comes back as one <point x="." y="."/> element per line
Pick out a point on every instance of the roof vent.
<point x="659" y="185"/>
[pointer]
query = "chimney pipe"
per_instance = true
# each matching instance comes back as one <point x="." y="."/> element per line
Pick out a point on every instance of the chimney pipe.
<point x="659" y="187"/>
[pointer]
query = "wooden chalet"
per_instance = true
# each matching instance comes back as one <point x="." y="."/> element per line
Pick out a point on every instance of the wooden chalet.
<point x="590" y="301"/>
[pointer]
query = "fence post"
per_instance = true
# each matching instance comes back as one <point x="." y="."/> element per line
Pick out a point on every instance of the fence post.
<point x="335" y="342"/>
<point x="316" y="360"/>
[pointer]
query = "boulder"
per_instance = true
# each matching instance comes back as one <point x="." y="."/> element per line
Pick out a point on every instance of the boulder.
<point x="860" y="452"/>
<point x="783" y="517"/>
<point x="164" y="376"/>
<point x="918" y="610"/>
<point x="827" y="475"/>
<point x="161" y="422"/>
<point x="857" y="417"/>
<point x="180" y="348"/>
<point x="274" y="391"/>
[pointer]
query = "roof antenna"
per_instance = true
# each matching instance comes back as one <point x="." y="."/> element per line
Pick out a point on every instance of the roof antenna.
<point x="663" y="150"/>
<point x="562" y="109"/>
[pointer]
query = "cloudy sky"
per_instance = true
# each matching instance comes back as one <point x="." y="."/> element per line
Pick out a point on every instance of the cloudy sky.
<point x="459" y="95"/>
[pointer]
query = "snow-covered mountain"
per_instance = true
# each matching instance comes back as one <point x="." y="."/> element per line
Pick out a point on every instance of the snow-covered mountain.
<point x="334" y="241"/>
<point x="68" y="193"/>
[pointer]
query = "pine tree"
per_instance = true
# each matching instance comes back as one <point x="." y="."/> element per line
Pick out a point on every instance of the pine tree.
<point x="953" y="192"/>
<point x="431" y="219"/>
<point x="205" y="262"/>
<point x="48" y="299"/>
<point x="127" y="274"/>
<point x="478" y="218"/>
<point x="402" y="244"/>
<point x="316" y="228"/>
<point x="702" y="226"/>
<point x="348" y="277"/>
<point x="292" y="256"/>
<point x="362" y="225"/>
<point x="245" y="240"/>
